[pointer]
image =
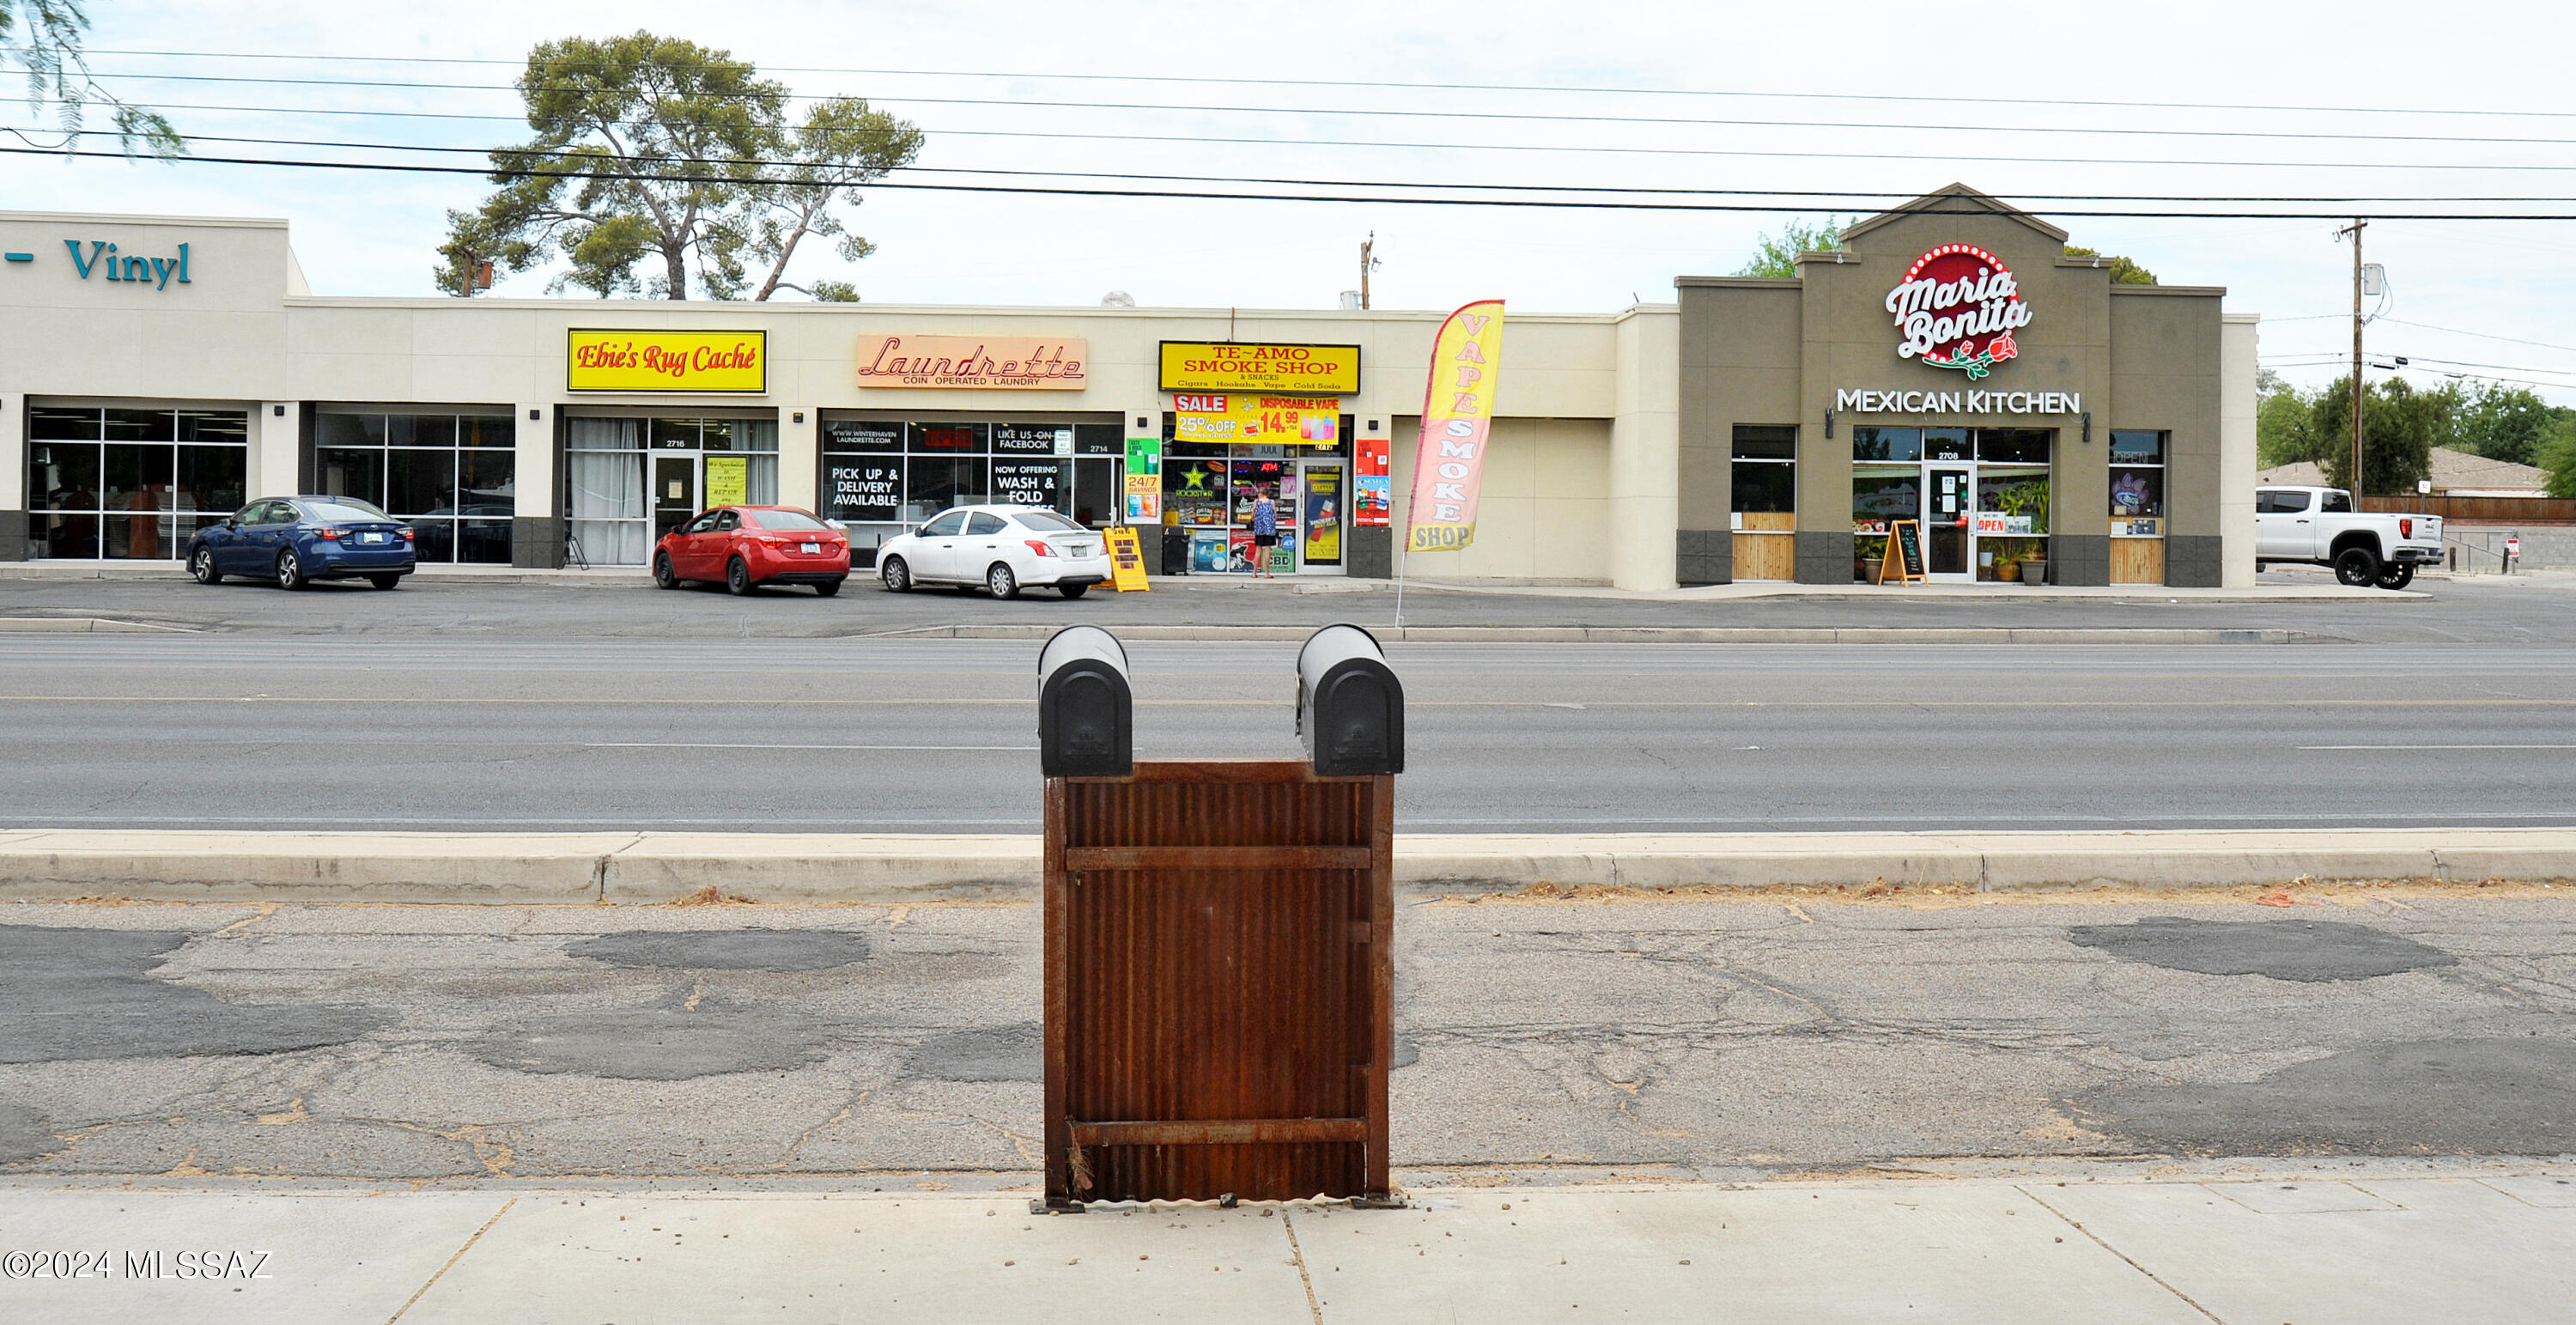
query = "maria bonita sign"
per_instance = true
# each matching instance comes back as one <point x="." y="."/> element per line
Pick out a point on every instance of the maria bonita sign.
<point x="1957" y="308"/>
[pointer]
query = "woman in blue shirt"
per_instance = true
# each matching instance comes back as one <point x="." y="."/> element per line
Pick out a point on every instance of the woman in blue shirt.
<point x="1265" y="529"/>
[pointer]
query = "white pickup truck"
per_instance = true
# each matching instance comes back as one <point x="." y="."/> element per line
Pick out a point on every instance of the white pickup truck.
<point x="2319" y="527"/>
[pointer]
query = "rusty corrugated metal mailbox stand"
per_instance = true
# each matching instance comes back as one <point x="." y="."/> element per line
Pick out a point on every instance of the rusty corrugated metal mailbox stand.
<point x="1219" y="970"/>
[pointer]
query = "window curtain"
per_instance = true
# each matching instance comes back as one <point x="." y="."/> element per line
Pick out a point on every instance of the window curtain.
<point x="607" y="505"/>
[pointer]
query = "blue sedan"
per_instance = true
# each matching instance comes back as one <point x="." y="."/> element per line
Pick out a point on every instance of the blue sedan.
<point x="297" y="540"/>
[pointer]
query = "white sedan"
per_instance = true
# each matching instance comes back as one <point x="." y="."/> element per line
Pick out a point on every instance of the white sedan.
<point x="1001" y="548"/>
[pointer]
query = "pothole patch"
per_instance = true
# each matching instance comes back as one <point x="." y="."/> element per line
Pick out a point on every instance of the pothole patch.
<point x="666" y="1041"/>
<point x="984" y="1053"/>
<point x="2447" y="1097"/>
<point x="84" y="994"/>
<point x="2303" y="950"/>
<point x="727" y="949"/>
<point x="24" y="1135"/>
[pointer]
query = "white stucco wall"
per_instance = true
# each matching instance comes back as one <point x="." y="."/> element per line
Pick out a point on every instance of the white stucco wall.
<point x="2238" y="336"/>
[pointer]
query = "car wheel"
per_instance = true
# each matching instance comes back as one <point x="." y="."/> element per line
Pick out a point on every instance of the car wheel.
<point x="828" y="588"/>
<point x="662" y="576"/>
<point x="2357" y="567"/>
<point x="896" y="576"/>
<point x="201" y="563"/>
<point x="385" y="581"/>
<point x="290" y="570"/>
<point x="1073" y="590"/>
<point x="1000" y="582"/>
<point x="2397" y="576"/>
<point x="738" y="577"/>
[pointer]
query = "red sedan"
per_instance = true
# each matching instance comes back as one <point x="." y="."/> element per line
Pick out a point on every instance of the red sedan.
<point x="749" y="546"/>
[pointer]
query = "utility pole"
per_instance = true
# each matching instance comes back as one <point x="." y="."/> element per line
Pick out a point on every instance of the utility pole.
<point x="2354" y="230"/>
<point x="1367" y="263"/>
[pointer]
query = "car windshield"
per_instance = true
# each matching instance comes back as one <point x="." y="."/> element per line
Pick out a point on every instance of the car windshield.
<point x="1046" y="521"/>
<point x="345" y="509"/>
<point x="785" y="520"/>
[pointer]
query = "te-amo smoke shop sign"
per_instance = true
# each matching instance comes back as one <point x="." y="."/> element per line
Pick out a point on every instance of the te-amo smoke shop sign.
<point x="1323" y="370"/>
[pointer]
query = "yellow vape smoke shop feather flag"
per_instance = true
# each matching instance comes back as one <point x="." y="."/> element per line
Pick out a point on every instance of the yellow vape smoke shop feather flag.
<point x="1457" y="423"/>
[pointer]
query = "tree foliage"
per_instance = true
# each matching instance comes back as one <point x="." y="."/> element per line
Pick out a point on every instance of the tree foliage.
<point x="47" y="39"/>
<point x="1777" y="255"/>
<point x="2556" y="452"/>
<point x="2504" y="422"/>
<point x="658" y="153"/>
<point x="2124" y="271"/>
<point x="2400" y="426"/>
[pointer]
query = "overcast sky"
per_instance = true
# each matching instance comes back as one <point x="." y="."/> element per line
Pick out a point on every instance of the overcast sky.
<point x="1755" y="67"/>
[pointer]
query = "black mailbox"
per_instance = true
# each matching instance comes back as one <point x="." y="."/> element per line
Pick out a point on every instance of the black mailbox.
<point x="1086" y="713"/>
<point x="1350" y="707"/>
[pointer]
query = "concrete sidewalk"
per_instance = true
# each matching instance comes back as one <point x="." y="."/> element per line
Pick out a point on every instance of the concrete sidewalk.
<point x="886" y="868"/>
<point x="2319" y="1242"/>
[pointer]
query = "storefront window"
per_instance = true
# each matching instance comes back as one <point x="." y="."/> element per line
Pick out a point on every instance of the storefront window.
<point x="131" y="483"/>
<point x="2138" y="482"/>
<point x="1765" y="478"/>
<point x="883" y="476"/>
<point x="1887" y="444"/>
<point x="1881" y="494"/>
<point x="1209" y="489"/>
<point x="626" y="479"/>
<point x="451" y="477"/>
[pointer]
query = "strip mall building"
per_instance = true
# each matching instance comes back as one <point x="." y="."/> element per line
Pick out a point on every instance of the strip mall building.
<point x="1947" y="367"/>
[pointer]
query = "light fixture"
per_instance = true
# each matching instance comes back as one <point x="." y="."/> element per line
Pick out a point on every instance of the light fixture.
<point x="2088" y="427"/>
<point x="1829" y="425"/>
<point x="533" y="414"/>
<point x="799" y="416"/>
<point x="277" y="411"/>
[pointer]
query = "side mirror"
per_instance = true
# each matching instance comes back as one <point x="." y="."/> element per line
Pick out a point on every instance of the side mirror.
<point x="1350" y="706"/>
<point x="1086" y="712"/>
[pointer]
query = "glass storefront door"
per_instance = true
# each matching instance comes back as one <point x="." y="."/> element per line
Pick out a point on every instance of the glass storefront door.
<point x="1323" y="507"/>
<point x="675" y="491"/>
<point x="1946" y="494"/>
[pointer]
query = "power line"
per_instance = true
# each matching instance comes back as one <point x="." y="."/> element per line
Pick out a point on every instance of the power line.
<point x="1304" y="83"/>
<point x="1804" y="195"/>
<point x="2483" y="335"/>
<point x="1204" y="140"/>
<point x="1385" y="112"/>
<point x="1189" y="195"/>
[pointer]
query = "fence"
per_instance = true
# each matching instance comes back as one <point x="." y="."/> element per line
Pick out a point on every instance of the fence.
<point x="2482" y="510"/>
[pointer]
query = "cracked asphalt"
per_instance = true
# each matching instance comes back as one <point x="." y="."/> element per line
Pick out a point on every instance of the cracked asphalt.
<point x="1707" y="1039"/>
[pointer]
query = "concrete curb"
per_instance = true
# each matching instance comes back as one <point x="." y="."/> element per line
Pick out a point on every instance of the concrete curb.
<point x="82" y="625"/>
<point x="1658" y="634"/>
<point x="635" y="868"/>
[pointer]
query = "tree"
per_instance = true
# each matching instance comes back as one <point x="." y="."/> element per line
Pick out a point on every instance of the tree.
<point x="2557" y="454"/>
<point x="655" y="147"/>
<point x="45" y="37"/>
<point x="1777" y="255"/>
<point x="2124" y="271"/>
<point x="2503" y="422"/>
<point x="2400" y="426"/>
<point x="2284" y="425"/>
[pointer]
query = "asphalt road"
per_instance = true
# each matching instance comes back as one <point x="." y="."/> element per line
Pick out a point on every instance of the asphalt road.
<point x="458" y="733"/>
<point x="2523" y="609"/>
<point x="1722" y="1040"/>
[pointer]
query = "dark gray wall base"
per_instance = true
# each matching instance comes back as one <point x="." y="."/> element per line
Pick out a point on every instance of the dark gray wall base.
<point x="1704" y="556"/>
<point x="537" y="542"/>
<point x="2079" y="559"/>
<point x="13" y="535"/>
<point x="1824" y="556"/>
<point x="2195" y="561"/>
<point x="1368" y="553"/>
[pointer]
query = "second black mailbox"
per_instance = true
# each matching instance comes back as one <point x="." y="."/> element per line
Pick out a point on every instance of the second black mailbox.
<point x="1350" y="707"/>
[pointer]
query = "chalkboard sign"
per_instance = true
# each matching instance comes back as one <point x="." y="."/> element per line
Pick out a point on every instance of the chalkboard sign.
<point x="1904" y="562"/>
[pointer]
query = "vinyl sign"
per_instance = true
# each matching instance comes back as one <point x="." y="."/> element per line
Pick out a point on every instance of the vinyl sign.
<point x="663" y="361"/>
<point x="1457" y="424"/>
<point x="1237" y="416"/>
